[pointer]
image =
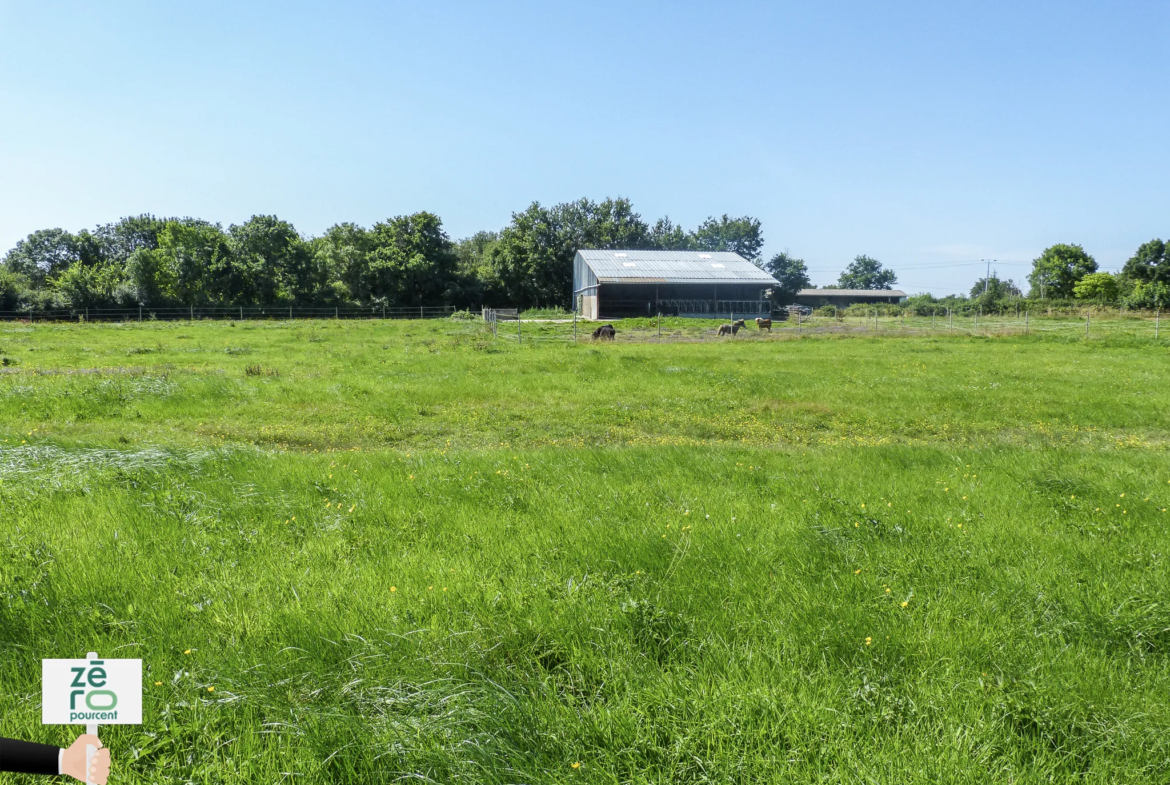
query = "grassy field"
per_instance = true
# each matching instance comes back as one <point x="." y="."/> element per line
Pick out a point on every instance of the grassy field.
<point x="371" y="551"/>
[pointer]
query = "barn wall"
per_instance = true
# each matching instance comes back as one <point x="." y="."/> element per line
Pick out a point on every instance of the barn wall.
<point x="582" y="277"/>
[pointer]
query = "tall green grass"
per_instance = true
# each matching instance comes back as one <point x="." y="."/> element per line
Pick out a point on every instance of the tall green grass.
<point x="417" y="553"/>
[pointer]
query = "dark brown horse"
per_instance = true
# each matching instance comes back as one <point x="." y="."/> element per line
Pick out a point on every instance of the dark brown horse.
<point x="604" y="333"/>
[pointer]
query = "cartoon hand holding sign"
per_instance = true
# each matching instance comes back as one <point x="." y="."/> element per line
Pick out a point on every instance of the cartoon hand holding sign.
<point x="74" y="692"/>
<point x="27" y="757"/>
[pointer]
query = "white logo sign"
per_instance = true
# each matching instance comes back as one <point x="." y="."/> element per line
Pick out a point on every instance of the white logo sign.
<point x="91" y="691"/>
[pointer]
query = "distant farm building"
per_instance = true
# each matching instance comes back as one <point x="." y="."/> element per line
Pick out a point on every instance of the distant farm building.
<point x="715" y="285"/>
<point x="841" y="298"/>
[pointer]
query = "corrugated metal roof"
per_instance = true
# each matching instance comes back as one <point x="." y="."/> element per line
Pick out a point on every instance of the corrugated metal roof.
<point x="672" y="267"/>
<point x="851" y="293"/>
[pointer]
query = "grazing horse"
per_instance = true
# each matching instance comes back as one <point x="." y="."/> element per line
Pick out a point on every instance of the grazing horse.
<point x="761" y="324"/>
<point x="604" y="333"/>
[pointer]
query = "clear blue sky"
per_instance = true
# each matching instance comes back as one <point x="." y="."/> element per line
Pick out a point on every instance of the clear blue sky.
<point x="923" y="134"/>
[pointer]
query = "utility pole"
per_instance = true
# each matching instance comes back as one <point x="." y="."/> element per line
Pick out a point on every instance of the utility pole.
<point x="987" y="278"/>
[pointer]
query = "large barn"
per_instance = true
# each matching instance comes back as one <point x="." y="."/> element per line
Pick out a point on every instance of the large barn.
<point x="715" y="285"/>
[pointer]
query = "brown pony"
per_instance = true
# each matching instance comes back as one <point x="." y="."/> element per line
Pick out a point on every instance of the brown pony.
<point x="763" y="323"/>
<point x="732" y="328"/>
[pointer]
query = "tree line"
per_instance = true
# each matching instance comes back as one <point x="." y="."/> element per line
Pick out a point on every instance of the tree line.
<point x="410" y="260"/>
<point x="407" y="260"/>
<point x="1063" y="272"/>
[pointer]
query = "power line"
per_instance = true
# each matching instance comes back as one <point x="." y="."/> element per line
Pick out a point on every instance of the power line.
<point x="923" y="267"/>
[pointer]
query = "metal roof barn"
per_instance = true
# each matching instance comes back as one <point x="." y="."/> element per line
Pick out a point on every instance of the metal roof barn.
<point x="845" y="297"/>
<point x="716" y="284"/>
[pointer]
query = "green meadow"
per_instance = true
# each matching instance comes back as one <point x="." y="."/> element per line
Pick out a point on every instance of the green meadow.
<point x="364" y="551"/>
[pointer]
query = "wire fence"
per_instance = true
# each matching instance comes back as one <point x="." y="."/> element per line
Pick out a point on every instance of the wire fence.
<point x="511" y="325"/>
<point x="244" y="312"/>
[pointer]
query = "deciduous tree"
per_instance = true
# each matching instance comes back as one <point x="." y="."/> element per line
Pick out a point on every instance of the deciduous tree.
<point x="413" y="261"/>
<point x="738" y="235"/>
<point x="1056" y="271"/>
<point x="792" y="275"/>
<point x="42" y="255"/>
<point x="344" y="254"/>
<point x="1098" y="287"/>
<point x="866" y="273"/>
<point x="274" y="262"/>
<point x="1150" y="264"/>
